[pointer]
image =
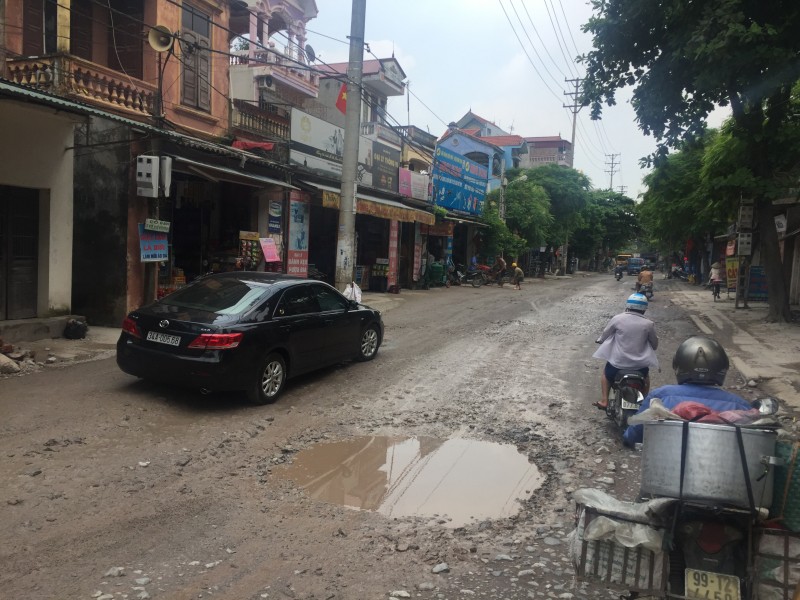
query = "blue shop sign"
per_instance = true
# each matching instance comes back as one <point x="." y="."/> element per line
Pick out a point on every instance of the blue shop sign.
<point x="459" y="184"/>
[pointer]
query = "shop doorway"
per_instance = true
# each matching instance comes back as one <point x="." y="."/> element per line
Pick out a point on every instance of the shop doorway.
<point x="19" y="252"/>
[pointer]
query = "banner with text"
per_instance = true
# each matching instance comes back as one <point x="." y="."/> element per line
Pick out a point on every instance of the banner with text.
<point x="459" y="184"/>
<point x="297" y="253"/>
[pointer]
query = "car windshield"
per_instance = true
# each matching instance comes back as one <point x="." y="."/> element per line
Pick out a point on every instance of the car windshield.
<point x="220" y="296"/>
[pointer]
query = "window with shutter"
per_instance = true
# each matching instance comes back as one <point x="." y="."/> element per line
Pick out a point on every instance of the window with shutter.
<point x="196" y="59"/>
<point x="38" y="27"/>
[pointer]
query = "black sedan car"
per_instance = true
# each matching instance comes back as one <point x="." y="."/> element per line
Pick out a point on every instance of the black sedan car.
<point x="246" y="331"/>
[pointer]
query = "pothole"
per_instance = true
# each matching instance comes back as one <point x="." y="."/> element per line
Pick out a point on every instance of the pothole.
<point x="457" y="480"/>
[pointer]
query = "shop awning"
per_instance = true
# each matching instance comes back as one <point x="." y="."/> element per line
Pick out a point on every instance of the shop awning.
<point x="374" y="206"/>
<point x="460" y="220"/>
<point x="219" y="173"/>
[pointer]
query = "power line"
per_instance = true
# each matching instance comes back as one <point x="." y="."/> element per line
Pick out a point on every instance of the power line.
<point x="557" y="30"/>
<point x="531" y="41"/>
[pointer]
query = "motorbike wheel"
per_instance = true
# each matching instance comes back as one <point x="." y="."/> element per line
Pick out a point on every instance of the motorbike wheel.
<point x="447" y="283"/>
<point x="478" y="280"/>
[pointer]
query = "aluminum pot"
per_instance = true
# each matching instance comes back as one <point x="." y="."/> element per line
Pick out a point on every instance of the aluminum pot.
<point x="713" y="470"/>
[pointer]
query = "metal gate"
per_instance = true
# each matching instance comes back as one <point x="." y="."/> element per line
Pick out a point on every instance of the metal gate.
<point x="19" y="252"/>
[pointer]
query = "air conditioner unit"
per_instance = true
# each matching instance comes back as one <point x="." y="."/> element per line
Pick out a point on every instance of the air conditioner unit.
<point x="266" y="82"/>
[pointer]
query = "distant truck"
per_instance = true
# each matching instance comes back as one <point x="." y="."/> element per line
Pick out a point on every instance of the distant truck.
<point x="635" y="265"/>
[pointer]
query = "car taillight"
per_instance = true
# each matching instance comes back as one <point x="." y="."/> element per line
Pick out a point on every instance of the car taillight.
<point x="130" y="326"/>
<point x="216" y="341"/>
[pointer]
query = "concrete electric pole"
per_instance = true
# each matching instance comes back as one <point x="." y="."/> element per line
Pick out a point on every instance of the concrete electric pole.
<point x="574" y="108"/>
<point x="346" y="242"/>
<point x="613" y="164"/>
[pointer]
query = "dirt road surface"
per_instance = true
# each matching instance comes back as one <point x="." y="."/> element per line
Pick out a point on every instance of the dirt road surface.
<point x="116" y="488"/>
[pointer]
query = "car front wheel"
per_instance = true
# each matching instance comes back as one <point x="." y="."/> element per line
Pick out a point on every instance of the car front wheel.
<point x="370" y="340"/>
<point x="270" y="380"/>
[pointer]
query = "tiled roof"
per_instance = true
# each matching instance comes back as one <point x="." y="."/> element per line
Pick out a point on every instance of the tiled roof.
<point x="504" y="140"/>
<point x="547" y="138"/>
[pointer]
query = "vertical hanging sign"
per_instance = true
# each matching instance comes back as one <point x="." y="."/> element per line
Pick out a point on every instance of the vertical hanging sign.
<point x="299" y="214"/>
<point x="394" y="231"/>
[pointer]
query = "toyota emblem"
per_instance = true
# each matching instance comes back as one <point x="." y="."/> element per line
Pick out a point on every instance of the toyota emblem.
<point x="163" y="324"/>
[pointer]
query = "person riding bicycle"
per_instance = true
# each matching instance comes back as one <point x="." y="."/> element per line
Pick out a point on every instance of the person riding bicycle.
<point x="715" y="279"/>
<point x="645" y="276"/>
<point x="700" y="366"/>
<point x="628" y="342"/>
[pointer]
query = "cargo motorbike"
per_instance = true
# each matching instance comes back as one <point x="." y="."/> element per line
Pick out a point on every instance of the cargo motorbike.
<point x="699" y="528"/>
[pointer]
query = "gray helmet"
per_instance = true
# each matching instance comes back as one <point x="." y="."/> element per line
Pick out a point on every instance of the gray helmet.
<point x="700" y="360"/>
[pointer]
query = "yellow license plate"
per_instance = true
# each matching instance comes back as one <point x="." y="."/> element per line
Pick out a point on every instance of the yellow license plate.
<point x="714" y="586"/>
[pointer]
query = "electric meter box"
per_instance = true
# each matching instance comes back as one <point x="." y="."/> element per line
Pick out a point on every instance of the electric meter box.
<point x="147" y="176"/>
<point x="744" y="247"/>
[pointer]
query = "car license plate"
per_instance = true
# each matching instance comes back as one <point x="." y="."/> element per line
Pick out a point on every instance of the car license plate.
<point x="715" y="586"/>
<point x="163" y="338"/>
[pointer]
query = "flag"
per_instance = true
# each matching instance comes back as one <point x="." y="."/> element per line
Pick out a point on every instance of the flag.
<point x="341" y="101"/>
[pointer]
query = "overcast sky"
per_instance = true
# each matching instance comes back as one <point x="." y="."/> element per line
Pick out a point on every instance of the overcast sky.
<point x="462" y="55"/>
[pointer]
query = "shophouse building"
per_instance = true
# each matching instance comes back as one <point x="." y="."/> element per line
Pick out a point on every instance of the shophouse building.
<point x="121" y="177"/>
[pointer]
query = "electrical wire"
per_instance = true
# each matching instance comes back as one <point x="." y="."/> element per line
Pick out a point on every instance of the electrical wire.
<point x="557" y="30"/>
<point x="549" y="89"/>
<point x="541" y="40"/>
<point x="533" y="47"/>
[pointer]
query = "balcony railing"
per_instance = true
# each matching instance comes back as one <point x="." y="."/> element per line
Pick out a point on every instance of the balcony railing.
<point x="380" y="131"/>
<point x="83" y="80"/>
<point x="289" y="68"/>
<point x="268" y="121"/>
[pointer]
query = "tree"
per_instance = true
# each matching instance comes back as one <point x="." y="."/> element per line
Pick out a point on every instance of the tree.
<point x="686" y="58"/>
<point x="609" y="223"/>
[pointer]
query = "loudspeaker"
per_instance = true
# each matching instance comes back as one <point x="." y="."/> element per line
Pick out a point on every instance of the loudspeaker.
<point x="160" y="38"/>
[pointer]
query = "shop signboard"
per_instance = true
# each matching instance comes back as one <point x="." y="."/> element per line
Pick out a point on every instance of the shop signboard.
<point x="417" y="252"/>
<point x="730" y="249"/>
<point x="270" y="250"/>
<point x="153" y="245"/>
<point x="394" y="235"/>
<point x="443" y="229"/>
<point x="732" y="272"/>
<point x="156" y="225"/>
<point x="385" y="164"/>
<point x="275" y="214"/>
<point x="758" y="284"/>
<point x="459" y="184"/>
<point x="318" y="146"/>
<point x="297" y="254"/>
<point x="413" y="185"/>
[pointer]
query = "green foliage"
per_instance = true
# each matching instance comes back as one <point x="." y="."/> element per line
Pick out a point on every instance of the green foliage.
<point x="684" y="59"/>
<point x="609" y="224"/>
<point x="568" y="191"/>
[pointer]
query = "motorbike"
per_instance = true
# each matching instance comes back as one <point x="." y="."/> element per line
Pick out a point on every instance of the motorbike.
<point x="486" y="275"/>
<point x="693" y="512"/>
<point x="462" y="276"/>
<point x="647" y="290"/>
<point x="618" y="274"/>
<point x="625" y="396"/>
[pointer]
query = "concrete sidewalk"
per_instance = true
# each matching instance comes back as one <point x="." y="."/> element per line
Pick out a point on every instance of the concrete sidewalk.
<point x="767" y="353"/>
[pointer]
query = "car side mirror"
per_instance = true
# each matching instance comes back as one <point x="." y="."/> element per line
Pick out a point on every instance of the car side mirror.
<point x="352" y="304"/>
<point x="766" y="406"/>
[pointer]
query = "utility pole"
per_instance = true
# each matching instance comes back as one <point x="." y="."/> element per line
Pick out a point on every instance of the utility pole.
<point x="346" y="242"/>
<point x="612" y="169"/>
<point x="575" y="108"/>
<point x="622" y="189"/>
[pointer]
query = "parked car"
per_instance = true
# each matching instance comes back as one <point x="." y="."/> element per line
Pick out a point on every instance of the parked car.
<point x="246" y="331"/>
<point x="635" y="265"/>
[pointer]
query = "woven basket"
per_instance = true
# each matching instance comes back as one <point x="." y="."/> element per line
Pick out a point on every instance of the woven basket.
<point x="786" y="497"/>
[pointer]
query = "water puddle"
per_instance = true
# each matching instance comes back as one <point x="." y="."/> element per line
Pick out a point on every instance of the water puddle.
<point x="458" y="479"/>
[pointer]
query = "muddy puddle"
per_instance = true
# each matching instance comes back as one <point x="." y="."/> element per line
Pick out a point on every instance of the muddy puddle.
<point x="455" y="481"/>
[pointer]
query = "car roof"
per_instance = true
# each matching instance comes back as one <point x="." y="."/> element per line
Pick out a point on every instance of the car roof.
<point x="262" y="277"/>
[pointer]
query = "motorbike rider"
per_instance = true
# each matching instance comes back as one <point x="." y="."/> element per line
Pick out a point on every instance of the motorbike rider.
<point x="629" y="341"/>
<point x="619" y="271"/>
<point x="645" y="276"/>
<point x="700" y="366"/>
<point x="715" y="279"/>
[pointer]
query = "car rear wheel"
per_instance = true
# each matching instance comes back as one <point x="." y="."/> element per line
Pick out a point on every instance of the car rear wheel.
<point x="370" y="340"/>
<point x="270" y="380"/>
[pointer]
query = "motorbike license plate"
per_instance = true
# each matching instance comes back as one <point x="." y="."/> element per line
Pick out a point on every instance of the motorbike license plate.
<point x="629" y="405"/>
<point x="163" y="338"/>
<point x="715" y="586"/>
